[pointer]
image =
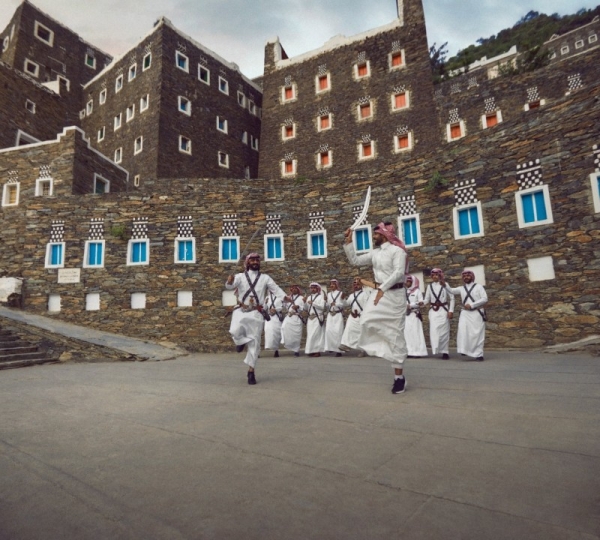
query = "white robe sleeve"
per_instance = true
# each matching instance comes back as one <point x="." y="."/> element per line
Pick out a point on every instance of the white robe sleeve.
<point x="357" y="260"/>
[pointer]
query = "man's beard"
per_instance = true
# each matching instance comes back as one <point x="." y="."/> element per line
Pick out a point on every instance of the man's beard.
<point x="377" y="242"/>
<point x="255" y="267"/>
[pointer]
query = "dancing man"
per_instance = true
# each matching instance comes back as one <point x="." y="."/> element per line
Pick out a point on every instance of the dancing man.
<point x="413" y="330"/>
<point x="274" y="307"/>
<point x="440" y="313"/>
<point x="334" y="328"/>
<point x="291" y="328"/>
<point x="355" y="302"/>
<point x="314" y="305"/>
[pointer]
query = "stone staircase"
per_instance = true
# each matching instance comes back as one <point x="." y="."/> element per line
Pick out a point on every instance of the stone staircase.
<point x="14" y="352"/>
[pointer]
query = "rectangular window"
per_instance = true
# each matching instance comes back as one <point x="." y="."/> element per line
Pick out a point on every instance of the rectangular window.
<point x="10" y="194"/>
<point x="102" y="98"/>
<point x="288" y="132"/>
<point x="399" y="101"/>
<point x="229" y="248"/>
<point x="366" y="150"/>
<point x="92" y="301"/>
<point x="396" y="60"/>
<point x="221" y="124"/>
<point x="365" y="111"/>
<point x="93" y="256"/>
<point x="223" y="159"/>
<point x="31" y="68"/>
<point x="185" y="145"/>
<point x="101" y="185"/>
<point x="410" y="228"/>
<point x="130" y="113"/>
<point x="403" y="142"/>
<point x="44" y="187"/>
<point x="184" y="105"/>
<point x="362" y="70"/>
<point x="316" y="244"/>
<point x="252" y="107"/>
<point x="324" y="122"/>
<point x="491" y="119"/>
<point x="274" y="247"/>
<point x="455" y="131"/>
<point x="55" y="255"/>
<point x="324" y="159"/>
<point x="101" y="133"/>
<point x="533" y="206"/>
<point x="323" y="83"/>
<point x="132" y="73"/>
<point x="90" y="61"/>
<point x="118" y="155"/>
<point x="30" y="106"/>
<point x="43" y="33"/>
<point x="579" y="44"/>
<point x="593" y="38"/>
<point x="138" y="251"/>
<point x="136" y="180"/>
<point x="184" y="298"/>
<point x="595" y="184"/>
<point x="144" y="102"/>
<point x="223" y="86"/>
<point x="182" y="61"/>
<point x="247" y="172"/>
<point x="362" y="239"/>
<point x="117" y="123"/>
<point x="288" y="93"/>
<point x="564" y="50"/>
<point x="185" y="250"/>
<point x="203" y="74"/>
<point x="241" y="99"/>
<point x="288" y="167"/>
<point x="468" y="221"/>
<point x="118" y="83"/>
<point x="147" y="61"/>
<point x="138" y="145"/>
<point x="138" y="300"/>
<point x="245" y="137"/>
<point x="253" y="142"/>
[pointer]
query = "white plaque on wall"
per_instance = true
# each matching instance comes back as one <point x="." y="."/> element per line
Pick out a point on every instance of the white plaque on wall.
<point x="69" y="275"/>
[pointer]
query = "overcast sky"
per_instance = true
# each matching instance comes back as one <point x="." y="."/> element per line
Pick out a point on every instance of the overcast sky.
<point x="238" y="29"/>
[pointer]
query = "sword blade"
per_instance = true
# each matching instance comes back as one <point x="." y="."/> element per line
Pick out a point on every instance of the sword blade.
<point x="363" y="214"/>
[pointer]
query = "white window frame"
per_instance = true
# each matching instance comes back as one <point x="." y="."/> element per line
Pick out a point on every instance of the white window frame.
<point x="594" y="179"/>
<point x="247" y="172"/>
<point x="144" y="103"/>
<point x="245" y="137"/>
<point x="138" y="300"/>
<point x="186" y="65"/>
<point x="241" y="99"/>
<point x="22" y="136"/>
<point x="579" y="44"/>
<point x="463" y="131"/>
<point x="355" y="70"/>
<point x="49" y="42"/>
<point x="320" y="160"/>
<point x="361" y="118"/>
<point x="119" y="84"/>
<point x="284" y="130"/>
<point x="265" y="243"/>
<point x="593" y="38"/>
<point x="254" y="142"/>
<point x="519" y="204"/>
<point x="89" y="107"/>
<point x="144" y="66"/>
<point x="456" y="209"/>
<point x="564" y="50"/>
<point x="361" y="149"/>
<point x="361" y="228"/>
<point x="185" y="298"/>
<point x="92" y="302"/>
<point x="202" y="69"/>
<point x="178" y="240"/>
<point x="130" y="113"/>
<point x="101" y="133"/>
<point x="182" y="100"/>
<point x="138" y="148"/>
<point x="391" y="56"/>
<point x="30" y="106"/>
<point x="541" y="102"/>
<point x="397" y="148"/>
<point x="130" y="243"/>
<point x="285" y="174"/>
<point x="227" y="261"/>
<point x="86" y="251"/>
<point x="401" y="220"/>
<point x="118" y="155"/>
<point x="48" y="259"/>
<point x="132" y="72"/>
<point x="541" y="268"/>
<point x="319" y="128"/>
<point x="93" y="58"/>
<point x="54" y="303"/>
<point x="102" y="97"/>
<point x="105" y="181"/>
<point x="35" y="71"/>
<point x="82" y="114"/>
<point x="226" y="90"/>
<point x="317" y="80"/>
<point x="5" y="43"/>
<point x="393" y="101"/>
<point x="484" y="118"/>
<point x="252" y="107"/>
<point x="294" y="97"/>
<point x="224" y="164"/>
<point x="222" y="121"/>
<point x="187" y="150"/>
<point x="309" y="235"/>
<point x="39" y="191"/>
<point x="136" y="180"/>
<point x="5" y="192"/>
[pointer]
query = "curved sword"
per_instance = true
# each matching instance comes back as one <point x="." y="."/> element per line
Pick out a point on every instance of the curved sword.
<point x="363" y="214"/>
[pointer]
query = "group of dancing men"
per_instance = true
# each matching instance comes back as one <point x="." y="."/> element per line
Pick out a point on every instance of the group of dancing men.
<point x="384" y="314"/>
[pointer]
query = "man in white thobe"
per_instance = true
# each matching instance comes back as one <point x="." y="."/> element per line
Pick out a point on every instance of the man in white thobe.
<point x="248" y="318"/>
<point x="413" y="329"/>
<point x="355" y="303"/>
<point x="314" y="306"/>
<point x="471" y="323"/>
<point x="293" y="325"/>
<point x="383" y="318"/>
<point x="274" y="307"/>
<point x="440" y="314"/>
<point x="334" y="327"/>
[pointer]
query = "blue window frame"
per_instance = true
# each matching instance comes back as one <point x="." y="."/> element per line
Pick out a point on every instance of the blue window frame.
<point x="94" y="254"/>
<point x="533" y="206"/>
<point x="468" y="221"/>
<point x="362" y="239"/>
<point x="317" y="244"/>
<point x="410" y="230"/>
<point x="229" y="249"/>
<point x="55" y="255"/>
<point x="274" y="250"/>
<point x="185" y="250"/>
<point x="138" y="251"/>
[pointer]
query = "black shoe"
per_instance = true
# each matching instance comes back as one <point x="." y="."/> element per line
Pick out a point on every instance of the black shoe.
<point x="399" y="386"/>
<point x="337" y="355"/>
<point x="479" y="358"/>
<point x="251" y="378"/>
<point x="239" y="348"/>
<point x="296" y="354"/>
<point x="445" y="356"/>
<point x="276" y="355"/>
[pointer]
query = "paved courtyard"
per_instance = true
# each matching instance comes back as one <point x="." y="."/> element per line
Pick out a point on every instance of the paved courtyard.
<point x="319" y="449"/>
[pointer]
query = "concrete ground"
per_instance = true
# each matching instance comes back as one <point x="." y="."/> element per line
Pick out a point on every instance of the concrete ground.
<point x="319" y="449"/>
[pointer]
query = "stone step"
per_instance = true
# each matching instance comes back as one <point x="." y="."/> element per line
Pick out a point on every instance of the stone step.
<point x="17" y="348"/>
<point x="13" y="344"/>
<point x="22" y="356"/>
<point x="8" y="339"/>
<point x="26" y="362"/>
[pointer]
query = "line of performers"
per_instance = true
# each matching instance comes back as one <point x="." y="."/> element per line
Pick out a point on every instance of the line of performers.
<point x="383" y="316"/>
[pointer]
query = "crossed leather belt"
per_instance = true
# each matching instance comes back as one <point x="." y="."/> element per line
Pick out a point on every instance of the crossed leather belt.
<point x="393" y="287"/>
<point x="437" y="305"/>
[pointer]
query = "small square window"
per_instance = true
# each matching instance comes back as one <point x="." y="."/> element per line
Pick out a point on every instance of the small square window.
<point x="10" y="194"/>
<point x="223" y="86"/>
<point x="533" y="105"/>
<point x="241" y="99"/>
<point x="182" y="61"/>
<point x="55" y="255"/>
<point x="118" y="155"/>
<point x="138" y="252"/>
<point x="410" y="228"/>
<point x="229" y="249"/>
<point x="533" y="206"/>
<point x="323" y="83"/>
<point x="102" y="97"/>
<point x="324" y="159"/>
<point x="223" y="159"/>
<point x="138" y="300"/>
<point x="93" y="256"/>
<point x="132" y="73"/>
<point x="185" y="145"/>
<point x="101" y="185"/>
<point x="130" y="113"/>
<point x="30" y="106"/>
<point x="31" y="68"/>
<point x="89" y="108"/>
<point x="44" y="187"/>
<point x="362" y="70"/>
<point x="468" y="221"/>
<point x="221" y="124"/>
<point x="92" y="302"/>
<point x="324" y="122"/>
<point x="288" y="93"/>
<point x="274" y="249"/>
<point x="43" y="33"/>
<point x="288" y="132"/>
<point x="146" y="61"/>
<point x="184" y="298"/>
<point x="366" y="150"/>
<point x="316" y="244"/>
<point x="184" y="105"/>
<point x="541" y="269"/>
<point x="118" y="121"/>
<point x="396" y="60"/>
<point x="203" y="74"/>
<point x="253" y="143"/>
<point x="455" y="131"/>
<point x="399" y="101"/>
<point x="593" y="38"/>
<point x="101" y="133"/>
<point x="362" y="239"/>
<point x="491" y="119"/>
<point x="288" y="167"/>
<point x="119" y="84"/>
<point x="90" y="61"/>
<point x="144" y="102"/>
<point x="252" y="107"/>
<point x="564" y="50"/>
<point x="138" y="145"/>
<point x="365" y="110"/>
<point x="403" y="142"/>
<point x="82" y="114"/>
<point x="54" y="303"/>
<point x="579" y="44"/>
<point x="185" y="250"/>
